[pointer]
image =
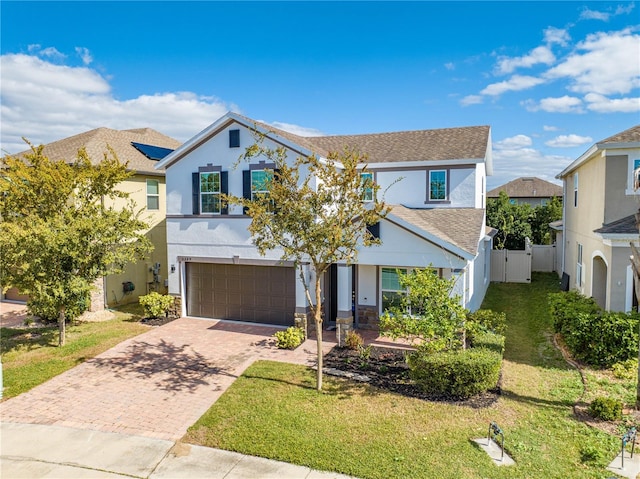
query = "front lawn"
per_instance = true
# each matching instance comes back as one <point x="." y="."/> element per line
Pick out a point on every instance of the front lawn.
<point x="274" y="411"/>
<point x="31" y="356"/>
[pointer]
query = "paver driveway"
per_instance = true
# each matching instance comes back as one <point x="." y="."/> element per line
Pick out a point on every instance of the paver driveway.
<point x="156" y="384"/>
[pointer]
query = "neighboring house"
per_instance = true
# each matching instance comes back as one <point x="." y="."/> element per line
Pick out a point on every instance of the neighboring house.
<point x="141" y="149"/>
<point x="529" y="190"/>
<point x="438" y="221"/>
<point x="600" y="201"/>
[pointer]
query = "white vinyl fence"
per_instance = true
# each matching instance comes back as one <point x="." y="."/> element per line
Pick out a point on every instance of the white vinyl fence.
<point x="515" y="266"/>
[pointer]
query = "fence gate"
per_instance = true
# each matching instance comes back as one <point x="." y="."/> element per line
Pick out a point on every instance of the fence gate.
<point x="510" y="266"/>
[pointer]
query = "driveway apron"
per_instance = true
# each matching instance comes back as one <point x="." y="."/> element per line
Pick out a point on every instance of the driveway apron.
<point x="156" y="384"/>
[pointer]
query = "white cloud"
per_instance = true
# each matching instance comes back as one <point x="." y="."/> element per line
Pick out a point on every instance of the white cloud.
<point x="295" y="129"/>
<point x="514" y="142"/>
<point x="471" y="100"/>
<point x="588" y="14"/>
<point x="449" y="66"/>
<point x="49" y="52"/>
<point x="515" y="83"/>
<point x="556" y="35"/>
<point x="563" y="104"/>
<point x="514" y="158"/>
<point x="568" y="141"/>
<point x="45" y="102"/>
<point x="84" y="54"/>
<point x="549" y="128"/>
<point x="602" y="104"/>
<point x="536" y="56"/>
<point x="624" y="10"/>
<point x="604" y="63"/>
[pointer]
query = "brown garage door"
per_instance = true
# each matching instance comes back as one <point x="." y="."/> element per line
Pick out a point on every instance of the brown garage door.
<point x="259" y="294"/>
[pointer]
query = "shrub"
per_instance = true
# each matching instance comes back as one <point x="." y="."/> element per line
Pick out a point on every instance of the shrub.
<point x="353" y="340"/>
<point x="625" y="369"/>
<point x="41" y="307"/>
<point x="456" y="373"/>
<point x="492" y="341"/>
<point x="486" y="320"/>
<point x="156" y="304"/>
<point x="565" y="306"/>
<point x="290" y="338"/>
<point x="607" y="409"/>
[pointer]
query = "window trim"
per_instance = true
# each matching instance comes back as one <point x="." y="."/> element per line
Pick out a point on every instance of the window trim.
<point x="579" y="266"/>
<point x="262" y="170"/>
<point x="382" y="290"/>
<point x="153" y="195"/>
<point x="201" y="193"/>
<point x="447" y="189"/>
<point x="576" y="183"/>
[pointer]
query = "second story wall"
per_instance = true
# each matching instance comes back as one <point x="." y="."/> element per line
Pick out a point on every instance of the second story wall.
<point x="620" y="198"/>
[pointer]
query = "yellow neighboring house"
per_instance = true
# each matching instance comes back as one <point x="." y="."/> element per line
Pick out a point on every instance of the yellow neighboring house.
<point x="142" y="148"/>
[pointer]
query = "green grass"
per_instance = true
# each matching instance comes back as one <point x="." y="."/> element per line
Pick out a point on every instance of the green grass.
<point x="31" y="356"/>
<point x="274" y="411"/>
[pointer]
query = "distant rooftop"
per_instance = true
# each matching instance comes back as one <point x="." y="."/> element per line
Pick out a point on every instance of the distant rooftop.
<point x="527" y="187"/>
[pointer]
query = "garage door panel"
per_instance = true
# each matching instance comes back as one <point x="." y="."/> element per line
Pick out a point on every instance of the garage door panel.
<point x="260" y="294"/>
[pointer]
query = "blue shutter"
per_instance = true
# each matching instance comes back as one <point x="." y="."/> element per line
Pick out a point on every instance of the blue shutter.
<point x="224" y="189"/>
<point x="246" y="187"/>
<point x="195" y="192"/>
<point x="234" y="138"/>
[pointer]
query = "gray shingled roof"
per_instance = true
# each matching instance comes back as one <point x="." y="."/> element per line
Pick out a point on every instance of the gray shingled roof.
<point x="96" y="142"/>
<point x="527" y="187"/>
<point x="627" y="136"/>
<point x="464" y="143"/>
<point x="462" y="227"/>
<point x="626" y="225"/>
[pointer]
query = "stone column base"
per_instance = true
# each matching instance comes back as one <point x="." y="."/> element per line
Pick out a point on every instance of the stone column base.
<point x="343" y="326"/>
<point x="301" y="321"/>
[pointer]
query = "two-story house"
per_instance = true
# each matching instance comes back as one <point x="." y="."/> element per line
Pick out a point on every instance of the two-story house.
<point x="438" y="220"/>
<point x="600" y="202"/>
<point x="142" y="149"/>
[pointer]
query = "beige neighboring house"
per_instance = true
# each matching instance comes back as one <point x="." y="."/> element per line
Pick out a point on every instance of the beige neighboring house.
<point x="600" y="203"/>
<point x="142" y="148"/>
<point x="530" y="190"/>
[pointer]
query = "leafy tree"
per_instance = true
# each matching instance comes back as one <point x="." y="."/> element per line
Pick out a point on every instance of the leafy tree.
<point x="542" y="216"/>
<point x="429" y="316"/>
<point x="511" y="220"/>
<point x="60" y="231"/>
<point x="314" y="212"/>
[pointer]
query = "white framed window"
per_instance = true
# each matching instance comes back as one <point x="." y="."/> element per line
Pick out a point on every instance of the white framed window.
<point x="260" y="180"/>
<point x="367" y="184"/>
<point x="437" y="185"/>
<point x="635" y="175"/>
<point x="392" y="291"/>
<point x="153" y="195"/>
<point x="575" y="189"/>
<point x="210" y="192"/>
<point x="579" y="268"/>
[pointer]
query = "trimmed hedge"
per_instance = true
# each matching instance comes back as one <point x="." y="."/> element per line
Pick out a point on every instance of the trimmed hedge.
<point x="493" y="342"/>
<point x="597" y="337"/>
<point x="461" y="373"/>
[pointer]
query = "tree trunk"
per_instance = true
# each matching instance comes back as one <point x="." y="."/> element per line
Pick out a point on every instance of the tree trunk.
<point x="318" y="320"/>
<point x="61" y="328"/>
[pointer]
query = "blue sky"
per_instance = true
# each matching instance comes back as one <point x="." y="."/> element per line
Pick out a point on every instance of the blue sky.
<point x="550" y="78"/>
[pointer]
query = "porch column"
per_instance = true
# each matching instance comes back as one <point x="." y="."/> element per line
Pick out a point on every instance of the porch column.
<point x="344" y="318"/>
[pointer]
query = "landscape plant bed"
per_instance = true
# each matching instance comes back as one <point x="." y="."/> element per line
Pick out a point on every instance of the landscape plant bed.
<point x="387" y="369"/>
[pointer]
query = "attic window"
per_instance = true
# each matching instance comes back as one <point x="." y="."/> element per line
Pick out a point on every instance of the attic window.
<point x="152" y="152"/>
<point x="234" y="138"/>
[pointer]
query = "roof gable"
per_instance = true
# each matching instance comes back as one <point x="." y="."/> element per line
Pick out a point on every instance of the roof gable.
<point x="465" y="143"/>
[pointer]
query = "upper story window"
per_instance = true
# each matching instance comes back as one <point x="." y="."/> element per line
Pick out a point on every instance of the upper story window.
<point x="153" y="195"/>
<point x="260" y="180"/>
<point x="575" y="189"/>
<point x="437" y="186"/>
<point x="210" y="192"/>
<point x="234" y="138"/>
<point x="367" y="183"/>
<point x="635" y="175"/>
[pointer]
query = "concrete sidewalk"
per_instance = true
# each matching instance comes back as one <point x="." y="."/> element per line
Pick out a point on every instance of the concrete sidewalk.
<point x="38" y="451"/>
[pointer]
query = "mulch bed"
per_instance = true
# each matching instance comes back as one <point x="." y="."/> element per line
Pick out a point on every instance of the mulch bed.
<point x="387" y="369"/>
<point x="158" y="321"/>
